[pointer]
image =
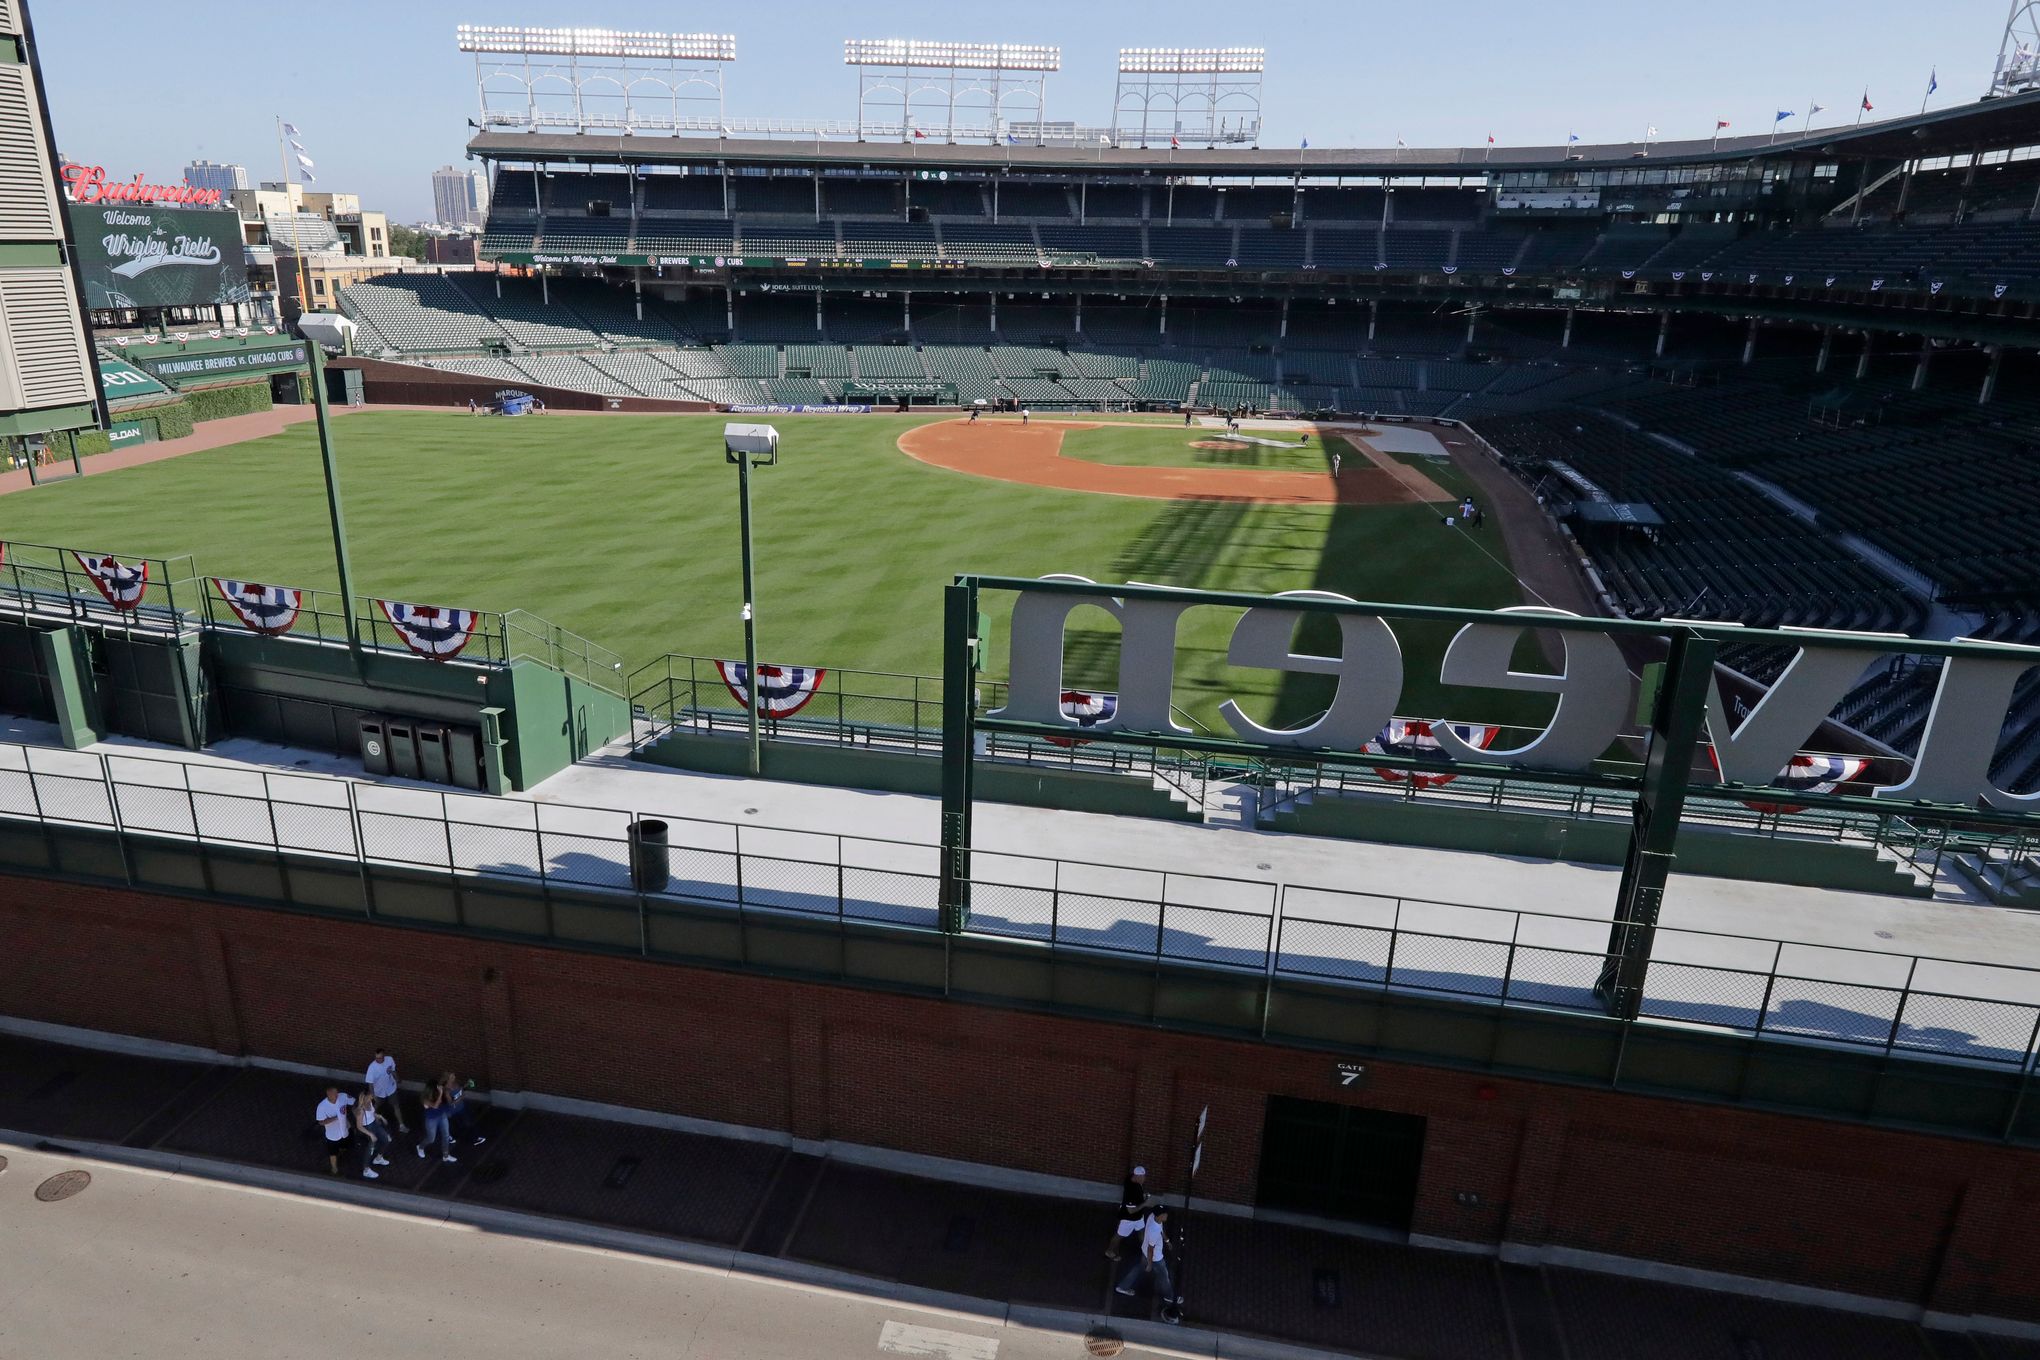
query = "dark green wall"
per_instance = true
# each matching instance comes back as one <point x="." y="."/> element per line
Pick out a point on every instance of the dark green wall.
<point x="898" y="772"/>
<point x="1820" y="864"/>
<point x="555" y="720"/>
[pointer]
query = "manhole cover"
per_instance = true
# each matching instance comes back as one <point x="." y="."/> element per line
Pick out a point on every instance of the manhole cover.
<point x="1103" y="1341"/>
<point x="1883" y="934"/>
<point x="63" y="1185"/>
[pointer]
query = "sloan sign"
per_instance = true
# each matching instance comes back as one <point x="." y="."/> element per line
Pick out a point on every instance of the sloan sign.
<point x="1592" y="688"/>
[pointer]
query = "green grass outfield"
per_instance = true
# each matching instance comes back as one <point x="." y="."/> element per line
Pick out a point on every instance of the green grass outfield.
<point x="624" y="528"/>
<point x="1174" y="446"/>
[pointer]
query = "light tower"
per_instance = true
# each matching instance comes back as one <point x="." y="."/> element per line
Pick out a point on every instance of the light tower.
<point x="2018" y="61"/>
<point x="894" y="75"/>
<point x="1198" y="94"/>
<point x="584" y="78"/>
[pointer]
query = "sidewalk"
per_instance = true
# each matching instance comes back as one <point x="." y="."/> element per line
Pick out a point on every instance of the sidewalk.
<point x="777" y="1203"/>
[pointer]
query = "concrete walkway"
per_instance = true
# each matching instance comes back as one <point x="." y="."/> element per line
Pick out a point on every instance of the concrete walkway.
<point x="210" y="1228"/>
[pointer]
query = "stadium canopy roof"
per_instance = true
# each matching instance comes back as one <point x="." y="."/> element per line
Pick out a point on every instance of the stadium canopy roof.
<point x="1983" y="126"/>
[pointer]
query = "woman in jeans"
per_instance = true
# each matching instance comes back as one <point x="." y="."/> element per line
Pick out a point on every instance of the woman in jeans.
<point x="438" y="1127"/>
<point x="375" y="1134"/>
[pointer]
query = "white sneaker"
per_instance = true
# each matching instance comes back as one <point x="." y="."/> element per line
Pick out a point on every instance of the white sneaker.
<point x="382" y="1161"/>
<point x="421" y="1150"/>
<point x="1127" y="1292"/>
<point x="449" y="1157"/>
<point x="368" y="1174"/>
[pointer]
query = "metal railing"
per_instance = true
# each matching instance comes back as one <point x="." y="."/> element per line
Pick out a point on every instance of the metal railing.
<point x="46" y="582"/>
<point x="1264" y="931"/>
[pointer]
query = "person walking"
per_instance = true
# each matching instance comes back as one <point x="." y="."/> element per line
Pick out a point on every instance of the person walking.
<point x="374" y="1132"/>
<point x="436" y="1127"/>
<point x="460" y="1119"/>
<point x="1025" y="415"/>
<point x="1335" y="467"/>
<point x="1133" y="1204"/>
<point x="381" y="1079"/>
<point x="973" y="415"/>
<point x="1153" y="1257"/>
<point x="1186" y="419"/>
<point x="338" y="1124"/>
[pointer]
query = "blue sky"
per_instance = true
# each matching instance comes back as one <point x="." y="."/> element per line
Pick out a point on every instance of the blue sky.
<point x="382" y="96"/>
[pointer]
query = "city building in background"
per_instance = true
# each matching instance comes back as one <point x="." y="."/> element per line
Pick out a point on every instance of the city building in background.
<point x="460" y="198"/>
<point x="214" y="175"/>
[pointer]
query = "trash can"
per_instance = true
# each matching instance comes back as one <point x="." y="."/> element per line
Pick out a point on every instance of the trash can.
<point x="651" y="857"/>
<point x="403" y="749"/>
<point x="432" y="755"/>
<point x="375" y="746"/>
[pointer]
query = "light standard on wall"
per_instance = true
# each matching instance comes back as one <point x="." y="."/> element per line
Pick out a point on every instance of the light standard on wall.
<point x="745" y="445"/>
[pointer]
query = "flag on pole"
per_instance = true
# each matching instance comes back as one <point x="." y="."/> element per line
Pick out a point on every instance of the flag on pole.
<point x="1720" y="123"/>
<point x="1783" y="114"/>
<point x="1401" y="144"/>
<point x="1571" y="137"/>
<point x="1175" y="145"/>
<point x="1491" y="139"/>
<point x="1306" y="144"/>
<point x="1650" y="132"/>
<point x="1817" y="108"/>
<point x="1867" y="105"/>
<point x="290" y="129"/>
<point x="920" y="136"/>
<point x="1933" y="80"/>
<point x="1104" y="140"/>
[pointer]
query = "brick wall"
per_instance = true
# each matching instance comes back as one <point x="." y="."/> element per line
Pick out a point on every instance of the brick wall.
<point x="1930" y="1221"/>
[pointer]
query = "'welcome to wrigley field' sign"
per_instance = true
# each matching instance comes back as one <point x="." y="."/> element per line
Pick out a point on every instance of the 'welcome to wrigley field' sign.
<point x="1592" y="687"/>
<point x="135" y="255"/>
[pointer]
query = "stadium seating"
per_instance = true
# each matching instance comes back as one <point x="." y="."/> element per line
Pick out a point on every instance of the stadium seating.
<point x="420" y="312"/>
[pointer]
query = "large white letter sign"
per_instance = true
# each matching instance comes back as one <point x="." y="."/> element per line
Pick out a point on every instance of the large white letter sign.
<point x="1147" y="659"/>
<point x="1962" y="732"/>
<point x="1592" y="690"/>
<point x="1367" y="674"/>
<point x="1790" y="711"/>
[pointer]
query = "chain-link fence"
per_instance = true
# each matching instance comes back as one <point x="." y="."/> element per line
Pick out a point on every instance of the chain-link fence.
<point x="1960" y="1009"/>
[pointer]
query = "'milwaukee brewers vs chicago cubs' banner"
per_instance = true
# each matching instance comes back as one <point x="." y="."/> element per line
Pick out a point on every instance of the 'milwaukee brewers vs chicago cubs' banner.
<point x="135" y="255"/>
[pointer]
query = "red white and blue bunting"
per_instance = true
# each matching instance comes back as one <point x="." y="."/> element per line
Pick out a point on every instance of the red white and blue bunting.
<point x="1085" y="708"/>
<point x="782" y="690"/>
<point x="1417" y="737"/>
<point x="434" y="633"/>
<point x="1806" y="773"/>
<point x="123" y="585"/>
<point x="269" y="610"/>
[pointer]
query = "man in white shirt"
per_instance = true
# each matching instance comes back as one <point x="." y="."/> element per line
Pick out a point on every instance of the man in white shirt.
<point x="1153" y="1247"/>
<point x="333" y="1115"/>
<point x="381" y="1078"/>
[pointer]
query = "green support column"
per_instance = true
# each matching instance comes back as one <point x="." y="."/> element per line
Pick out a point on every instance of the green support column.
<point x="328" y="463"/>
<point x="962" y="647"/>
<point x="1677" y="715"/>
<point x="68" y="672"/>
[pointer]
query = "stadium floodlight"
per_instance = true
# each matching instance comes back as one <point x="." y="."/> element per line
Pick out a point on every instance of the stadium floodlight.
<point x="596" y="42"/>
<point x="951" y="56"/>
<point x="1192" y="61"/>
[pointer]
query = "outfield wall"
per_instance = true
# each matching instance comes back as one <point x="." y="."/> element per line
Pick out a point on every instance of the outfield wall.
<point x="1528" y="1169"/>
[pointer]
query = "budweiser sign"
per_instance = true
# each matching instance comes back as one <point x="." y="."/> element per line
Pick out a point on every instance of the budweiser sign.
<point x="89" y="184"/>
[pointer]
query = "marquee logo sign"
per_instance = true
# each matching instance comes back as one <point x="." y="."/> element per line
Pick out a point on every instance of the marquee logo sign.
<point x="89" y="184"/>
<point x="1591" y="688"/>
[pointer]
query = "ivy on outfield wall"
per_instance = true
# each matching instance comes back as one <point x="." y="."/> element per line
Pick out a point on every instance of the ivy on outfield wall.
<point x="216" y="403"/>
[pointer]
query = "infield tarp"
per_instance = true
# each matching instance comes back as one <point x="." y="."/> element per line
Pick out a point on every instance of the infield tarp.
<point x="134" y="255"/>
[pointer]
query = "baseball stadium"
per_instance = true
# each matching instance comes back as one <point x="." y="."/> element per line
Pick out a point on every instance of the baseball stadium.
<point x="1507" y="677"/>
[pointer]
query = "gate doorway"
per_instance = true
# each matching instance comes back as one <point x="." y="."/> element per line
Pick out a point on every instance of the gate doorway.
<point x="1340" y="1161"/>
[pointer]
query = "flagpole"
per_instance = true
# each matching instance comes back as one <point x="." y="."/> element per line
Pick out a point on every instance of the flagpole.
<point x="1809" y="118"/>
<point x="283" y="161"/>
<point x="1862" y="105"/>
<point x="1933" y="83"/>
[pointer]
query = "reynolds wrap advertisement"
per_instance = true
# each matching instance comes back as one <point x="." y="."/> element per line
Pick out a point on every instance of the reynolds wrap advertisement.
<point x="141" y="255"/>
